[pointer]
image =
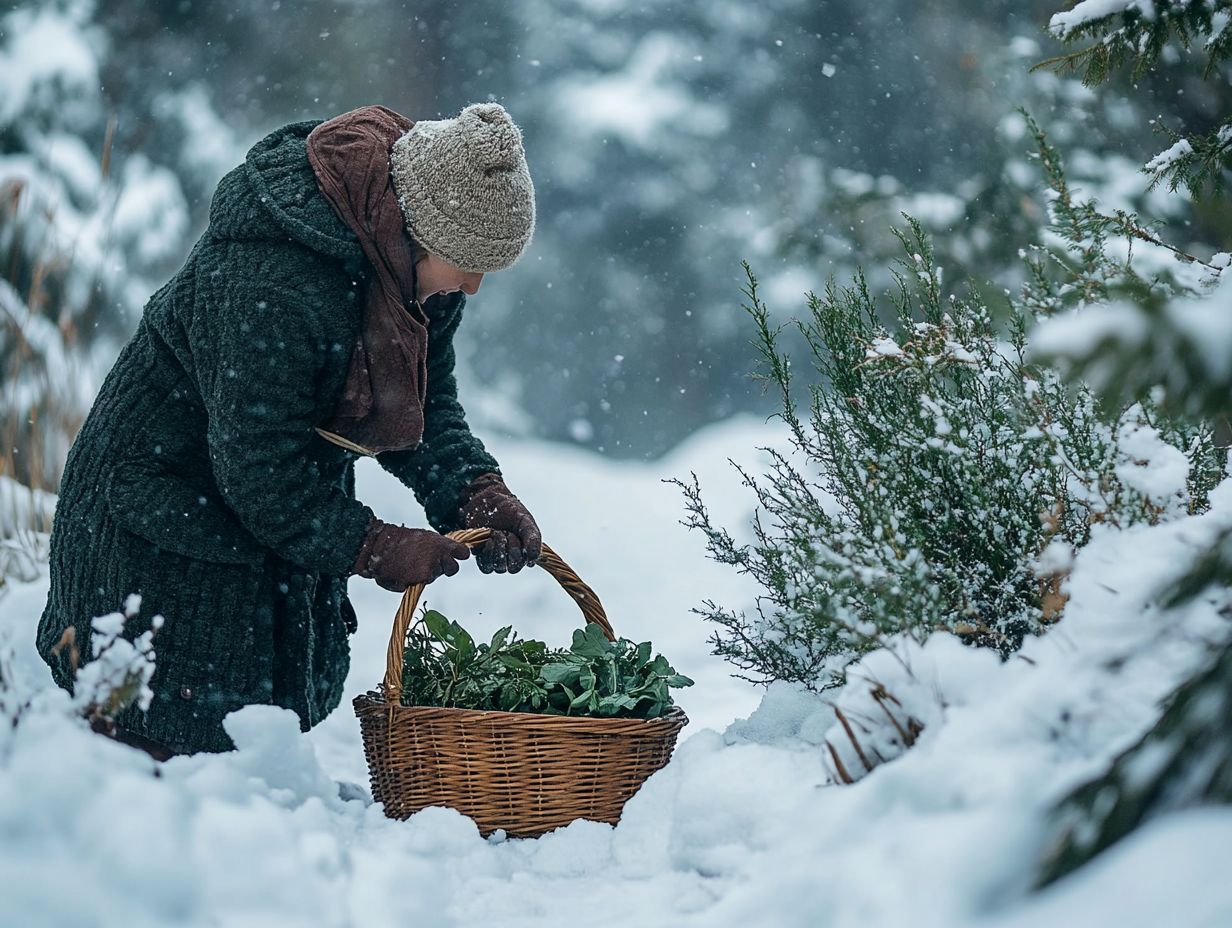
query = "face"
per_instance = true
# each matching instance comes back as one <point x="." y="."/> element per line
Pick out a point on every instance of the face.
<point x="435" y="275"/>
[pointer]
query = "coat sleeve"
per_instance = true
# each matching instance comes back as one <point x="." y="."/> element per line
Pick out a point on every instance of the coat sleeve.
<point x="450" y="456"/>
<point x="266" y="349"/>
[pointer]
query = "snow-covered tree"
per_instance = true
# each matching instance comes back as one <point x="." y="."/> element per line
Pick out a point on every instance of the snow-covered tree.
<point x="1138" y="34"/>
<point x="1168" y="336"/>
<point x="833" y="212"/>
<point x="88" y="228"/>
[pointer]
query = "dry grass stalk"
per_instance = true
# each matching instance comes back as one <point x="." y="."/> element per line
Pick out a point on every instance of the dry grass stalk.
<point x="859" y="733"/>
<point x="855" y="742"/>
<point x="911" y="731"/>
<point x="840" y="772"/>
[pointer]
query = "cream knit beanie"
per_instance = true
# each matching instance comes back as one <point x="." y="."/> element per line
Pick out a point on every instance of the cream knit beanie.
<point x="464" y="187"/>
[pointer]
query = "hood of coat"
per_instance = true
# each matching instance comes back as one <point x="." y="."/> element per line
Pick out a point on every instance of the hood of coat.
<point x="274" y="195"/>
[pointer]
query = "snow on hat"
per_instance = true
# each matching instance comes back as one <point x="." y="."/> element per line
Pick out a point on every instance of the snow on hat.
<point x="464" y="187"/>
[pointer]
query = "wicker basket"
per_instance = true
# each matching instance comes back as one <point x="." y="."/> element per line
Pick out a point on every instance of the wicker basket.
<point x="523" y="772"/>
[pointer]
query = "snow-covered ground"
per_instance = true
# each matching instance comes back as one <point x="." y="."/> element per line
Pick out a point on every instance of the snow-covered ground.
<point x="743" y="827"/>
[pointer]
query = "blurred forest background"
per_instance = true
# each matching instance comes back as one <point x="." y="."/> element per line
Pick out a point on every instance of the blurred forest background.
<point x="667" y="143"/>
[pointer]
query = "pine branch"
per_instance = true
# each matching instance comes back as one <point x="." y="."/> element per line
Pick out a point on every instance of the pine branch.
<point x="1131" y="36"/>
<point x="1194" y="162"/>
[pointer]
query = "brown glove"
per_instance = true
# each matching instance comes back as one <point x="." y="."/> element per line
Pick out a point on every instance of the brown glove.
<point x="397" y="557"/>
<point x="516" y="541"/>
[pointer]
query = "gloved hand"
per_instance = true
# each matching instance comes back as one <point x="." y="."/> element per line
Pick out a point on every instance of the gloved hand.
<point x="516" y="541"/>
<point x="397" y="557"/>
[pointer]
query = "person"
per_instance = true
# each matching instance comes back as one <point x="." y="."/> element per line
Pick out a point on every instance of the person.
<point x="311" y="324"/>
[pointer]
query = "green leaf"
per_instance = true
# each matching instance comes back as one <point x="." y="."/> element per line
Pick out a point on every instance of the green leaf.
<point x="501" y="637"/>
<point x="660" y="666"/>
<point x="643" y="653"/>
<point x="514" y="662"/>
<point x="461" y="640"/>
<point x="617" y="702"/>
<point x="586" y="678"/>
<point x="436" y="624"/>
<point x="590" y="642"/>
<point x="560" y="673"/>
<point x="509" y="697"/>
<point x="532" y="648"/>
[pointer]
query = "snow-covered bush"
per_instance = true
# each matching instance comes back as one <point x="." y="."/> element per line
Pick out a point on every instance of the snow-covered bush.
<point x="965" y="475"/>
<point x="116" y="675"/>
<point x="119" y="671"/>
<point x="1121" y="309"/>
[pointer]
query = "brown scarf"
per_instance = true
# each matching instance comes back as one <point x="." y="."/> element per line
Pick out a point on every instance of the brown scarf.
<point x="381" y="408"/>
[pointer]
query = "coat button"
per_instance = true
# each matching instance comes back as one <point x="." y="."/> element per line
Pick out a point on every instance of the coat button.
<point x="186" y="692"/>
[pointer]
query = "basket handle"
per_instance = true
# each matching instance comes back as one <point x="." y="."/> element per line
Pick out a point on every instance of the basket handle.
<point x="582" y="594"/>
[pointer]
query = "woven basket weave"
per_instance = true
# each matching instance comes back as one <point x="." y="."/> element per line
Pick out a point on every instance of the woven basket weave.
<point x="523" y="772"/>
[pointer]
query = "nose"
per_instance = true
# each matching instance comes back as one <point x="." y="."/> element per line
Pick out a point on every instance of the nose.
<point x="470" y="284"/>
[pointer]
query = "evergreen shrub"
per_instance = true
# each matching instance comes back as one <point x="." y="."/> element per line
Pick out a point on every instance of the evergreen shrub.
<point x="942" y="478"/>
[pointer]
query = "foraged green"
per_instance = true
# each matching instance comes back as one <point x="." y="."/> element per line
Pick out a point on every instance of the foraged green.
<point x="445" y="667"/>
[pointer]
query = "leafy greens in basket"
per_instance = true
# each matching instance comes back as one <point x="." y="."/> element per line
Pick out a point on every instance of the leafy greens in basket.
<point x="592" y="677"/>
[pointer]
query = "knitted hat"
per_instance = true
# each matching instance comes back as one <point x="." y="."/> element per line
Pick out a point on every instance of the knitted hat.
<point x="464" y="187"/>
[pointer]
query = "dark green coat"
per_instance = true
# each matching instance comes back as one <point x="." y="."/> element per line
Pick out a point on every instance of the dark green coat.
<point x="198" y="482"/>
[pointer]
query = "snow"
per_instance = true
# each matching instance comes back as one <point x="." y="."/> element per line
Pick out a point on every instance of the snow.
<point x="1024" y="46"/>
<point x="1117" y="183"/>
<point x="1170" y="156"/>
<point x="858" y="184"/>
<point x="883" y="347"/>
<point x="22" y="508"/>
<point x="49" y="47"/>
<point x="1206" y="321"/>
<point x="940" y="210"/>
<point x="783" y="289"/>
<point x="639" y="102"/>
<point x="1056" y="558"/>
<point x="151" y="215"/>
<point x="49" y="378"/>
<point x="1198" y="324"/>
<point x="1080" y="332"/>
<point x="117" y="663"/>
<point x="25" y="520"/>
<point x="745" y="825"/>
<point x="1148" y="464"/>
<point x="1219" y="22"/>
<point x="1064" y="24"/>
<point x="68" y="158"/>
<point x="211" y="145"/>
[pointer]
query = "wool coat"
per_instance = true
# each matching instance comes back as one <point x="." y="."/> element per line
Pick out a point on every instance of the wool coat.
<point x="199" y="482"/>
